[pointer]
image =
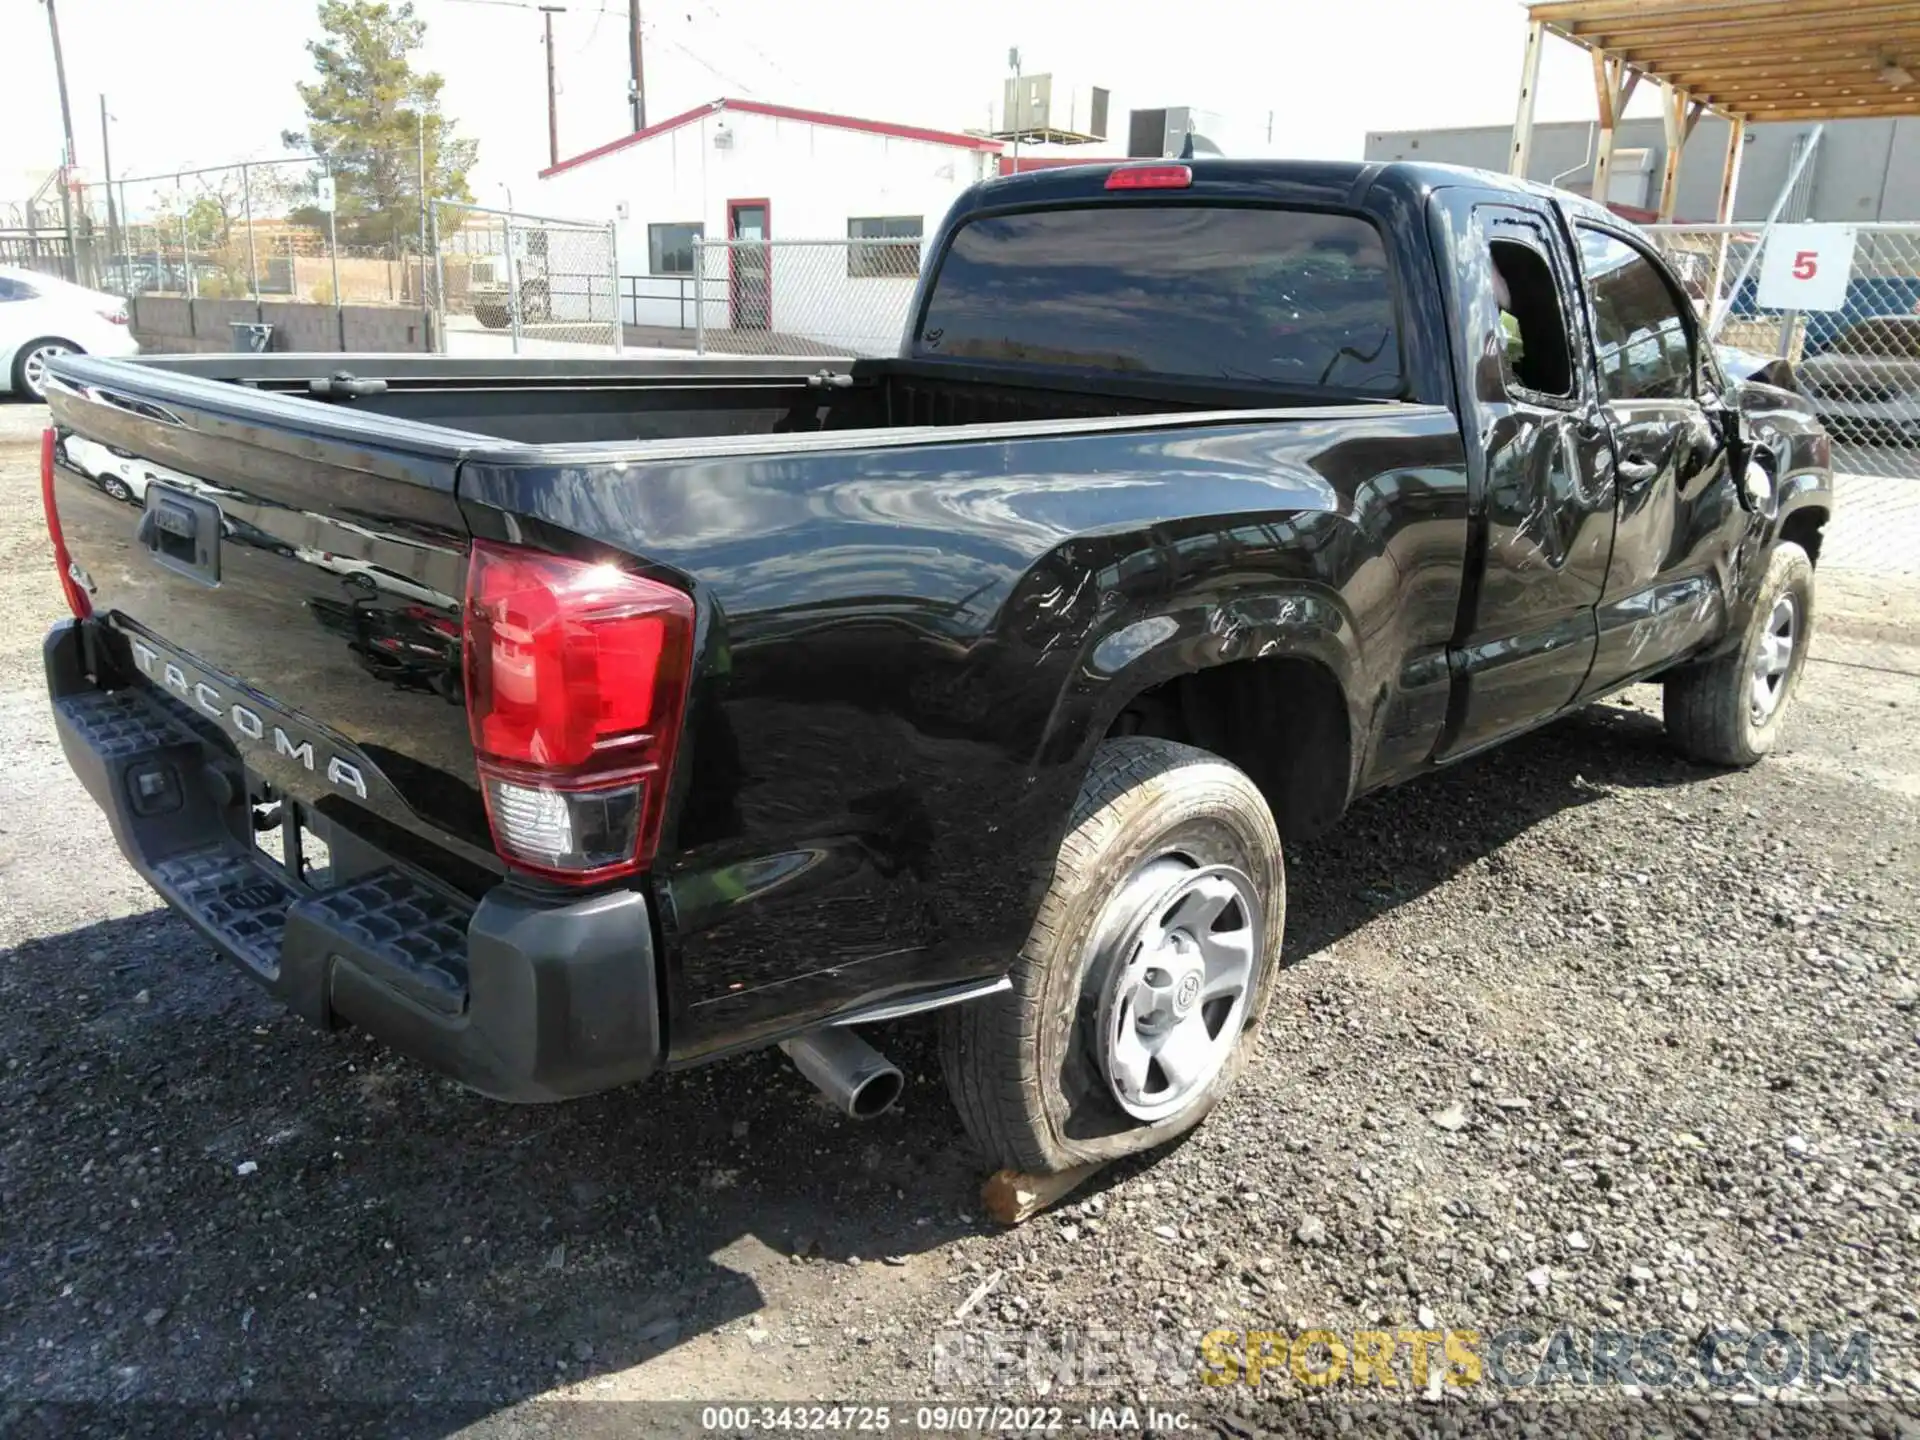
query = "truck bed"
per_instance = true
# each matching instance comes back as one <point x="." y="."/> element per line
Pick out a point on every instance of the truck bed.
<point x="537" y="401"/>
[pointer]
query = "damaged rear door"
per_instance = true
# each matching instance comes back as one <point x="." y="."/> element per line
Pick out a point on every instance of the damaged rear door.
<point x="1543" y="472"/>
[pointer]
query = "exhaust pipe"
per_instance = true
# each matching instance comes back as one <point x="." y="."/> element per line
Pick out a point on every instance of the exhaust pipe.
<point x="858" y="1079"/>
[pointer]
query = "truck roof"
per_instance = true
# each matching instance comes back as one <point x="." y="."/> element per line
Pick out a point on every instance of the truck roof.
<point x="1340" y="183"/>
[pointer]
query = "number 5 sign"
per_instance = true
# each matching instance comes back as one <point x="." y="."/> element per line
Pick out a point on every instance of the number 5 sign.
<point x="1806" y="267"/>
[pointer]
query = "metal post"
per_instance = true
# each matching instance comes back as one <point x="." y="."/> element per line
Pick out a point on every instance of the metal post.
<point x="186" y="242"/>
<point x="333" y="256"/>
<point x="513" y="279"/>
<point x="420" y="121"/>
<point x="106" y="168"/>
<point x="699" y="295"/>
<point x="1520" y="151"/>
<point x="439" y="283"/>
<point x="1019" y="104"/>
<point x="246" y="204"/>
<point x="613" y="277"/>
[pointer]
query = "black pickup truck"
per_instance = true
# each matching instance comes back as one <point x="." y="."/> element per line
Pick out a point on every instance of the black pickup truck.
<point x="561" y="721"/>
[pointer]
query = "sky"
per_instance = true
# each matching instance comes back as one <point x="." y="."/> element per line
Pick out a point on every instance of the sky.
<point x="203" y="82"/>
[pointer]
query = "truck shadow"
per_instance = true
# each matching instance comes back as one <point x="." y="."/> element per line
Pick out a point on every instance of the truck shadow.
<point x="211" y="1202"/>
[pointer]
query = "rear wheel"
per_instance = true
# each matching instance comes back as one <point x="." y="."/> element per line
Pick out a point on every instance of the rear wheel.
<point x="30" y="366"/>
<point x="1148" y="967"/>
<point x="1729" y="711"/>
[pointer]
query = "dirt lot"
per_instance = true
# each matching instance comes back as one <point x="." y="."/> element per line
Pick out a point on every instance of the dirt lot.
<point x="1575" y="1034"/>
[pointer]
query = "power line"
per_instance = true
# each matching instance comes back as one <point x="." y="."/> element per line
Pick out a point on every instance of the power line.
<point x="747" y="40"/>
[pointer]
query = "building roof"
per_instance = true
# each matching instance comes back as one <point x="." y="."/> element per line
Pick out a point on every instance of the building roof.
<point x="1759" y="59"/>
<point x="953" y="138"/>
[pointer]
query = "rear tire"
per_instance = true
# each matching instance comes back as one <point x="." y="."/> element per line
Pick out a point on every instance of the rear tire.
<point x="1171" y="869"/>
<point x="1729" y="711"/>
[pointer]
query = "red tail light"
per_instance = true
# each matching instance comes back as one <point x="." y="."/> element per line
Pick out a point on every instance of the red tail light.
<point x="577" y="680"/>
<point x="1150" y="177"/>
<point x="77" y="600"/>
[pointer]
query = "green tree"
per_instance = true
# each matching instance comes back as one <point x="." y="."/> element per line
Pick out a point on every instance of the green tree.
<point x="364" y="113"/>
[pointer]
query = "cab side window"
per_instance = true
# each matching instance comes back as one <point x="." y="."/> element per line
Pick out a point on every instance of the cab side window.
<point x="1533" y="333"/>
<point x="1639" y="336"/>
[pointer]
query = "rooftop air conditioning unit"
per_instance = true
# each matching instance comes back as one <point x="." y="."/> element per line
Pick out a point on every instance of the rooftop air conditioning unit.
<point x="1033" y="103"/>
<point x="1175" y="132"/>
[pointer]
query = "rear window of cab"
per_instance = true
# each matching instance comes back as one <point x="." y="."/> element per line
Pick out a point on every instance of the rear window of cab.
<point x="1294" y="298"/>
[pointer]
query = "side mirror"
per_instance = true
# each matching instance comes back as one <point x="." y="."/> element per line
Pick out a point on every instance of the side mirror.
<point x="1746" y="462"/>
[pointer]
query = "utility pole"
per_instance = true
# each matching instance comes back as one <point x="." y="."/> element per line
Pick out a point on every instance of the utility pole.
<point x="66" y="129"/>
<point x="637" y="86"/>
<point x="547" y="12"/>
<point x="106" y="170"/>
<point x="1019" y="104"/>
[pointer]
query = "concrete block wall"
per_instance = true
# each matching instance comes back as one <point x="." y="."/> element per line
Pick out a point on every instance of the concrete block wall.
<point x="171" y="325"/>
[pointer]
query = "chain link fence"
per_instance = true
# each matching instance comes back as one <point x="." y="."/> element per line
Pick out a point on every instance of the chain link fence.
<point x="1859" y="366"/>
<point x="509" y="283"/>
<point x="246" y="231"/>
<point x="779" y="297"/>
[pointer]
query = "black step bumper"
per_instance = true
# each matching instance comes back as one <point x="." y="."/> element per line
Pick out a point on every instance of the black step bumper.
<point x="522" y="1000"/>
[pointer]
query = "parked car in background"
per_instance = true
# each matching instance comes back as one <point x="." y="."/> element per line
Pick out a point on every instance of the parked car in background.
<point x="122" y="475"/>
<point x="1866" y="383"/>
<point x="42" y="316"/>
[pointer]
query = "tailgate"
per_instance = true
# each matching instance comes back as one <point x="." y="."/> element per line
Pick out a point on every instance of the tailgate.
<point x="293" y="573"/>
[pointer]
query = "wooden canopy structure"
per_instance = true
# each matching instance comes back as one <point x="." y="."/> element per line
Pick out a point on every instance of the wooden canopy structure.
<point x="1749" y="60"/>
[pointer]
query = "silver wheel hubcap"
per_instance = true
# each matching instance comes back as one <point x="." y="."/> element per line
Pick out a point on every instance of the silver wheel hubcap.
<point x="1773" y="658"/>
<point x="1182" y="949"/>
<point x="34" y="367"/>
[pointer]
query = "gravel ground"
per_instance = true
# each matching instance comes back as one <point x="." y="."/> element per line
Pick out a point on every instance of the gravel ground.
<point x="1574" y="1035"/>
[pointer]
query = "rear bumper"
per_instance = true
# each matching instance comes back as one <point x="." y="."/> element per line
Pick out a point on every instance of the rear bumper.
<point x="521" y="1000"/>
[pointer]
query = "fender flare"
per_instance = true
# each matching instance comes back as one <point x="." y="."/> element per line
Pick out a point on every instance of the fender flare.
<point x="1132" y="654"/>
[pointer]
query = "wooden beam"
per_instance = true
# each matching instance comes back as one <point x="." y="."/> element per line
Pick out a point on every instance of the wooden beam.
<point x="1836" y="28"/>
<point x="1768" y="115"/>
<point x="1578" y="11"/>
<point x="1730" y="172"/>
<point x="1520" y="150"/>
<point x="1606" y="93"/>
<point x="1806" y="14"/>
<point x="1865" y="70"/>
<point x="1675" y="104"/>
<point x="1896" y="36"/>
<point x="1729" y="188"/>
<point x="1736" y="96"/>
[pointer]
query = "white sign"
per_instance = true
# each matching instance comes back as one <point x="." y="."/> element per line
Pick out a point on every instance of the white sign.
<point x="1806" y="267"/>
<point x="323" y="193"/>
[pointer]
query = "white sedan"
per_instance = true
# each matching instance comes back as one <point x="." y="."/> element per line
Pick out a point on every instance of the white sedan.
<point x="42" y="317"/>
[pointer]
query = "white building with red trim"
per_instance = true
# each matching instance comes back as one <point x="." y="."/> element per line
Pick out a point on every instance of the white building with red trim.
<point x="746" y="170"/>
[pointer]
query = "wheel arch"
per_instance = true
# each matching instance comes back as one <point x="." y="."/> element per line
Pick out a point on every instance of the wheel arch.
<point x="1264" y="682"/>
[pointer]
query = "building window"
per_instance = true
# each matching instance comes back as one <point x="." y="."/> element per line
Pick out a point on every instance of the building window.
<point x="670" y="248"/>
<point x="873" y="262"/>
